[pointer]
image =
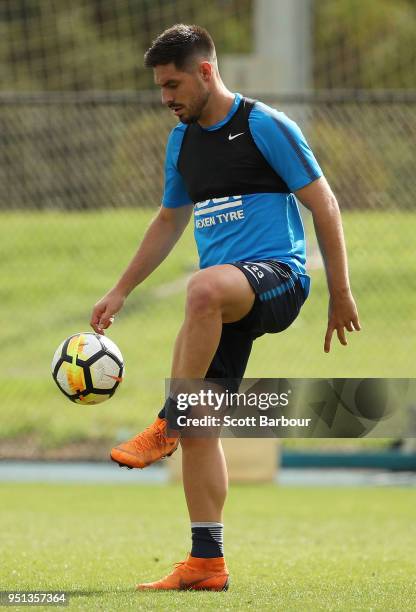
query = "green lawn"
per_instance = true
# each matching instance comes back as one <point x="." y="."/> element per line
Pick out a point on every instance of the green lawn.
<point x="287" y="549"/>
<point x="56" y="265"/>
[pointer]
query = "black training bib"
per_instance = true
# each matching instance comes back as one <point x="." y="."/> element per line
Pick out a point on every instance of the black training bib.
<point x="226" y="161"/>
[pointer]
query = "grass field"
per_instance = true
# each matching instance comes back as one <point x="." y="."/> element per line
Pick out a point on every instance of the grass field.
<point x="287" y="549"/>
<point x="55" y="266"/>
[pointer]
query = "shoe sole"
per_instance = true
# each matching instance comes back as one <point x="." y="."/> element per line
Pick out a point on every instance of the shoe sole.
<point x="191" y="588"/>
<point x="130" y="467"/>
<point x="224" y="588"/>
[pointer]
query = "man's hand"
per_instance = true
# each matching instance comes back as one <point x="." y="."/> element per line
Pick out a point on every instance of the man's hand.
<point x="104" y="310"/>
<point x="342" y="315"/>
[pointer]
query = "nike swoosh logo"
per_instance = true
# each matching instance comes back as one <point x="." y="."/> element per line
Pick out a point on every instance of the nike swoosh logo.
<point x="235" y="135"/>
<point x="117" y="378"/>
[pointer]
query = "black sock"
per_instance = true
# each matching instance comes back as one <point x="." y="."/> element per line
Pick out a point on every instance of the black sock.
<point x="207" y="540"/>
<point x="167" y="407"/>
<point x="171" y="412"/>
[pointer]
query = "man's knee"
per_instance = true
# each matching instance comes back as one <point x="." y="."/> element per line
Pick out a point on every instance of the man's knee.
<point x="203" y="294"/>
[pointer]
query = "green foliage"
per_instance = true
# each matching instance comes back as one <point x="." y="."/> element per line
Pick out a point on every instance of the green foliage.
<point x="100" y="44"/>
<point x="364" y="45"/>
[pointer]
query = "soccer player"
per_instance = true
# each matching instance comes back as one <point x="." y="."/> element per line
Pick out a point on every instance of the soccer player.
<point x="238" y="165"/>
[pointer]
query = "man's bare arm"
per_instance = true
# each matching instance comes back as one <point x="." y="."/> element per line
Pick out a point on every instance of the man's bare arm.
<point x="159" y="239"/>
<point x="342" y="313"/>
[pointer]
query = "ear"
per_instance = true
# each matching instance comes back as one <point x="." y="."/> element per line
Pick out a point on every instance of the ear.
<point x="206" y="70"/>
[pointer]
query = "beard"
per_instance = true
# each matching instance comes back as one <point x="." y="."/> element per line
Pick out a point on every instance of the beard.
<point x="195" y="108"/>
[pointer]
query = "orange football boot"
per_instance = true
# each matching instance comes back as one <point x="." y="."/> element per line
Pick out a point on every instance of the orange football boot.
<point x="147" y="447"/>
<point x="193" y="574"/>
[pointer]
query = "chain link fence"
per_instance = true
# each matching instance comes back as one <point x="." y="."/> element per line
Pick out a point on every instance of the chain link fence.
<point x="81" y="176"/>
<point x="83" y="152"/>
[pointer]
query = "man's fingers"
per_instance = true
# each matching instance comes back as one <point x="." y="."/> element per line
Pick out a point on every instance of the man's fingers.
<point x="101" y="319"/>
<point x="341" y="335"/>
<point x="95" y="318"/>
<point x="328" y="338"/>
<point x="353" y="325"/>
<point x="341" y="319"/>
<point x="106" y="320"/>
<point x="96" y="314"/>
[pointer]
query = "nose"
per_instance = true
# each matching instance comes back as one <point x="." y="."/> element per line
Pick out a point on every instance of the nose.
<point x="167" y="98"/>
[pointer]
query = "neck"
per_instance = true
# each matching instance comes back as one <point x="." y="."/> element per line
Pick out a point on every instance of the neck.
<point x="218" y="106"/>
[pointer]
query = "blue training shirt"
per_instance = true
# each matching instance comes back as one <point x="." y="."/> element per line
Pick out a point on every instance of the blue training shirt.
<point x="253" y="227"/>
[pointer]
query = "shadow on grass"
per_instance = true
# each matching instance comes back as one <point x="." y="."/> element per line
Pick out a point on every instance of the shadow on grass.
<point x="94" y="593"/>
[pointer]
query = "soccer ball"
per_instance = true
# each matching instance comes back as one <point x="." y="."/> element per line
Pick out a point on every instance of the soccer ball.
<point x="88" y="368"/>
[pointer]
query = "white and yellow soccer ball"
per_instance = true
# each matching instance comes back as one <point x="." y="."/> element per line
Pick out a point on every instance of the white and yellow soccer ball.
<point x="88" y="368"/>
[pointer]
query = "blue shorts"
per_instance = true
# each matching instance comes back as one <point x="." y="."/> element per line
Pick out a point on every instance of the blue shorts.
<point x="279" y="296"/>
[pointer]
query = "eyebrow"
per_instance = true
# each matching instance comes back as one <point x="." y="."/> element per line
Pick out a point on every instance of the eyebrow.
<point x="168" y="82"/>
